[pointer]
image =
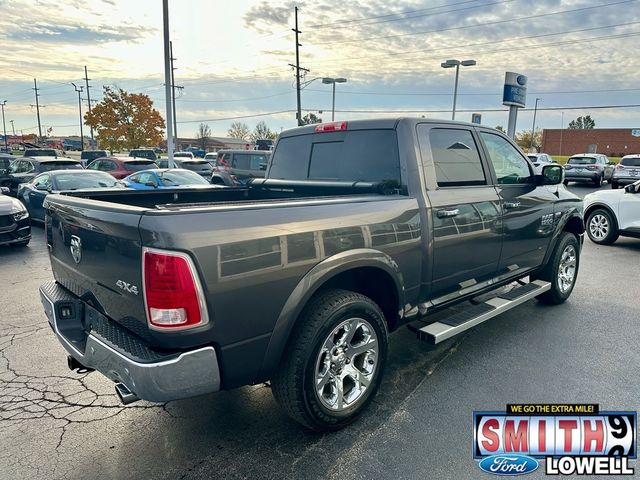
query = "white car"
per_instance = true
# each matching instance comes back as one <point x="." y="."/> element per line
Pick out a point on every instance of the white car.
<point x="539" y="160"/>
<point x="609" y="214"/>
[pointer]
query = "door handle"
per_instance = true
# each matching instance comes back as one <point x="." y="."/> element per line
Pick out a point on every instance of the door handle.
<point x="508" y="205"/>
<point x="447" y="213"/>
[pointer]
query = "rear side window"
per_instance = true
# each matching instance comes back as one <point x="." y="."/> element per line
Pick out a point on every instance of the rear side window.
<point x="630" y="162"/>
<point x="249" y="161"/>
<point x="357" y="155"/>
<point x="456" y="158"/>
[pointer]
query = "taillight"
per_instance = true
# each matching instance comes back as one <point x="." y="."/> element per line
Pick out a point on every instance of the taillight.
<point x="331" y="127"/>
<point x="619" y="167"/>
<point x="172" y="292"/>
<point x="592" y="167"/>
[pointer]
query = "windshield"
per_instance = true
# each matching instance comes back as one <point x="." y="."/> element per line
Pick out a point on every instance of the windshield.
<point x="358" y="155"/>
<point x="48" y="166"/>
<point x="93" y="155"/>
<point x="44" y="152"/>
<point x="74" y="181"/>
<point x="630" y="162"/>
<point x="182" y="155"/>
<point x="182" y="177"/>
<point x="150" y="154"/>
<point x="135" y="165"/>
<point x="581" y="161"/>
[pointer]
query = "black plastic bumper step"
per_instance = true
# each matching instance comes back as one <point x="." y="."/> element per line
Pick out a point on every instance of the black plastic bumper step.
<point x="518" y="292"/>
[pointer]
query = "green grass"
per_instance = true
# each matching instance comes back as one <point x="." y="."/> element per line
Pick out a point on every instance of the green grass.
<point x="562" y="159"/>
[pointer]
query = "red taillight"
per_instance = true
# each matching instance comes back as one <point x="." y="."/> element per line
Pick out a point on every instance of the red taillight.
<point x="619" y="167"/>
<point x="592" y="167"/>
<point x="331" y="127"/>
<point x="172" y="294"/>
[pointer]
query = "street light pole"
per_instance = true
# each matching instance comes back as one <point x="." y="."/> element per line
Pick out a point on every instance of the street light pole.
<point x="451" y="64"/>
<point x="6" y="146"/>
<point x="533" y="128"/>
<point x="333" y="81"/>
<point x="79" y="90"/>
<point x="13" y="128"/>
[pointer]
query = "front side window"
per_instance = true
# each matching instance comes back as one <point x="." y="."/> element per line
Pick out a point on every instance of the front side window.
<point x="456" y="158"/>
<point x="41" y="180"/>
<point x="509" y="165"/>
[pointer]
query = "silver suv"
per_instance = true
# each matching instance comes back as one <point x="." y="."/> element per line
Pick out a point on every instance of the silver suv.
<point x="588" y="167"/>
<point x="627" y="171"/>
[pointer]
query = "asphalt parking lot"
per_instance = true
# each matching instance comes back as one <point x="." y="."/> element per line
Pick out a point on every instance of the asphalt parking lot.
<point x="55" y="424"/>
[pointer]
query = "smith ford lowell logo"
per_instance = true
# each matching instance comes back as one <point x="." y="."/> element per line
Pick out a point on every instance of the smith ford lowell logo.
<point x="512" y="464"/>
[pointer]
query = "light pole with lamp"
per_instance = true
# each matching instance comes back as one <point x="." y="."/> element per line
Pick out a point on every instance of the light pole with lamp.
<point x="6" y="145"/>
<point x="451" y="64"/>
<point x="533" y="128"/>
<point x="79" y="90"/>
<point x="333" y="81"/>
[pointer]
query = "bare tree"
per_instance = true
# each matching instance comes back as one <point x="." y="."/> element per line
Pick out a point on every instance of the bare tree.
<point x="203" y="135"/>
<point x="262" y="131"/>
<point x="239" y="130"/>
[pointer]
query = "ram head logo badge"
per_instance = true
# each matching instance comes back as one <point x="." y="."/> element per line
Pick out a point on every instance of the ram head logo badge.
<point x="76" y="248"/>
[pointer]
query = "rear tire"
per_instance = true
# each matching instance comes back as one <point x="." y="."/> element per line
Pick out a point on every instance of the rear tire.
<point x="334" y="361"/>
<point x="598" y="182"/>
<point x="614" y="185"/>
<point x="601" y="227"/>
<point x="561" y="270"/>
<point x="565" y="182"/>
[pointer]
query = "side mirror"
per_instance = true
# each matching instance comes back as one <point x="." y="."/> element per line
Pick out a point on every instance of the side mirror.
<point x="551" y="175"/>
<point x="633" y="188"/>
<point x="150" y="184"/>
<point x="5" y="190"/>
<point x="3" y="171"/>
<point x="42" y="187"/>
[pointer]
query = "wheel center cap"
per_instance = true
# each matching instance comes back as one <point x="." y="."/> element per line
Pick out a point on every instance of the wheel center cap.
<point x="339" y="359"/>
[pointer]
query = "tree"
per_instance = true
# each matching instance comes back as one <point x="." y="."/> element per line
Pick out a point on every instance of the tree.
<point x="239" y="130"/>
<point x="203" y="135"/>
<point x="310" y="118"/>
<point x="523" y="139"/>
<point x="125" y="120"/>
<point x="582" y="123"/>
<point x="262" y="131"/>
<point x="500" y="128"/>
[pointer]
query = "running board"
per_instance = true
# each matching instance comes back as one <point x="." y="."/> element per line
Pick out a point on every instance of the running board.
<point x="448" y="327"/>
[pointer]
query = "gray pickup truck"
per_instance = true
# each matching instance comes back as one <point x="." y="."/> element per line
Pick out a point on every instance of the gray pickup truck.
<point x="358" y="228"/>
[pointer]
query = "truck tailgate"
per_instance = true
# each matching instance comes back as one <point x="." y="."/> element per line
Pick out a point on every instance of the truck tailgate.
<point x="96" y="254"/>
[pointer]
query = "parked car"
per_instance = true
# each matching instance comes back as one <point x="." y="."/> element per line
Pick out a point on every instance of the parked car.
<point x="197" y="152"/>
<point x="163" y="178"/>
<point x="148" y="153"/>
<point x="32" y="194"/>
<point x="627" y="171"/>
<point x="237" y="167"/>
<point x="88" y="156"/>
<point x="211" y="157"/>
<point x="201" y="167"/>
<point x="5" y="161"/>
<point x="42" y="152"/>
<point x="588" y="167"/>
<point x="25" y="169"/>
<point x="359" y="228"/>
<point x="120" y="167"/>
<point x="539" y="160"/>
<point x="184" y="155"/>
<point x="15" y="227"/>
<point x="610" y="214"/>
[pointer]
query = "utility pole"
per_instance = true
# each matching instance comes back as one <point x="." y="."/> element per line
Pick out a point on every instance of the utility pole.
<point x="79" y="90"/>
<point x="298" y="68"/>
<point x="173" y="93"/>
<point x="86" y="79"/>
<point x="167" y="81"/>
<point x="6" y="146"/>
<point x="35" y="87"/>
<point x="13" y="128"/>
<point x="533" y="128"/>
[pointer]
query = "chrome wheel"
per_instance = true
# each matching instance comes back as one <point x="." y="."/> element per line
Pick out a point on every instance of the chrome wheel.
<point x="346" y="364"/>
<point x="599" y="227"/>
<point x="567" y="268"/>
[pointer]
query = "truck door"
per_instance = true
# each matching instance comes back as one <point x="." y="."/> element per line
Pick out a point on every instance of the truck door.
<point x="526" y="210"/>
<point x="465" y="211"/>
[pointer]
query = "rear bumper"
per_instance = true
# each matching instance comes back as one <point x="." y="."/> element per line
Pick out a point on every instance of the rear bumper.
<point x="625" y="179"/>
<point x="582" y="176"/>
<point x="99" y="343"/>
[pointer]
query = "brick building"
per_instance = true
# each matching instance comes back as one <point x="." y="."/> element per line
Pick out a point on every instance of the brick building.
<point x="614" y="142"/>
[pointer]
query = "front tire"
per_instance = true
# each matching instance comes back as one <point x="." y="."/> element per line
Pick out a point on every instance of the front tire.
<point x="614" y="185"/>
<point x="561" y="270"/>
<point x="334" y="361"/>
<point x="601" y="227"/>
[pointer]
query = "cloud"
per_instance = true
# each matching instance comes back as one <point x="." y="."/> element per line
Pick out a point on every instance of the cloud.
<point x="77" y="34"/>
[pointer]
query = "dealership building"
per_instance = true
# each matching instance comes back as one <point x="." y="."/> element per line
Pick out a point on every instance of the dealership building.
<point x="613" y="142"/>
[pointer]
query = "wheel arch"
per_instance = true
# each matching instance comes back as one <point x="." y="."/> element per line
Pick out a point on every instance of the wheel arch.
<point x="600" y="206"/>
<point x="346" y="270"/>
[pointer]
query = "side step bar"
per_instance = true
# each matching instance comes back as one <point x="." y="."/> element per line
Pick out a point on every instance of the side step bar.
<point x="446" y="328"/>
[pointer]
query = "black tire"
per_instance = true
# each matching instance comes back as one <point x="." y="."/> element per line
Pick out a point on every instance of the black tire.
<point x="565" y="182"/>
<point x="21" y="244"/>
<point x="598" y="182"/>
<point x="614" y="185"/>
<point x="550" y="273"/>
<point x="293" y="384"/>
<point x="610" y="223"/>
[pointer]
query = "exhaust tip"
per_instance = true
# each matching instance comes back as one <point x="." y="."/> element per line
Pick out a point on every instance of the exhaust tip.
<point x="125" y="395"/>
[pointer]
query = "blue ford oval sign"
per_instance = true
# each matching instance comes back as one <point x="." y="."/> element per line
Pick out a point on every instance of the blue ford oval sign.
<point x="522" y="80"/>
<point x="508" y="464"/>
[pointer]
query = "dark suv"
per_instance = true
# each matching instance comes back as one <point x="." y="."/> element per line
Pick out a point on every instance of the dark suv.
<point x="237" y="167"/>
<point x="148" y="153"/>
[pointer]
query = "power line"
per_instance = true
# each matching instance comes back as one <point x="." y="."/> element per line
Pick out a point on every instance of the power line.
<point x="238" y="99"/>
<point x="350" y="92"/>
<point x="590" y="107"/>
<point x="265" y="114"/>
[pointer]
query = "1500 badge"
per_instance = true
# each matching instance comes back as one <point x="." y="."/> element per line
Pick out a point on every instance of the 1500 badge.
<point x="127" y="287"/>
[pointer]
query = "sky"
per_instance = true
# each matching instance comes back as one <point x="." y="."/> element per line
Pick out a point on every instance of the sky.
<point x="233" y="59"/>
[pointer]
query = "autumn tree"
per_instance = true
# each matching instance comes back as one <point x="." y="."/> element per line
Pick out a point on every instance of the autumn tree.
<point x="310" y="118"/>
<point x="125" y="120"/>
<point x="523" y="139"/>
<point x="262" y="131"/>
<point x="500" y="128"/>
<point x="239" y="130"/>
<point x="582" y="123"/>
<point x="203" y="135"/>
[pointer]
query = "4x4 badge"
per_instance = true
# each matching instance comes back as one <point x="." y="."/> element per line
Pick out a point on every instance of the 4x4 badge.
<point x="76" y="248"/>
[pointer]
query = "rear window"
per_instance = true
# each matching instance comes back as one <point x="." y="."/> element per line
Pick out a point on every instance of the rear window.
<point x="249" y="161"/>
<point x="45" y="152"/>
<point x="630" y="162"/>
<point x="181" y="177"/>
<point x="48" y="166"/>
<point x="357" y="155"/>
<point x="150" y="154"/>
<point x="135" y="165"/>
<point x="71" y="181"/>
<point x="581" y="161"/>
<point x="533" y="158"/>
